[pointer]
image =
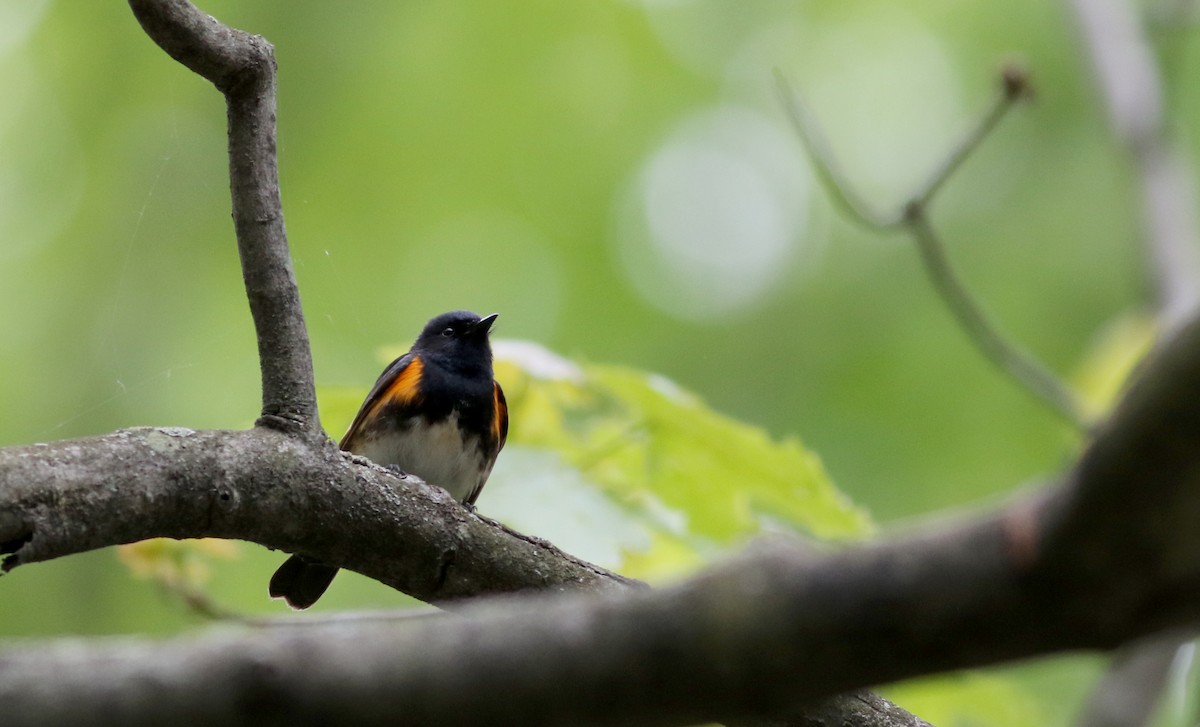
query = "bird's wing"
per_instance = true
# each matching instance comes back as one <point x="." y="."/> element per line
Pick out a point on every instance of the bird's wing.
<point x="398" y="384"/>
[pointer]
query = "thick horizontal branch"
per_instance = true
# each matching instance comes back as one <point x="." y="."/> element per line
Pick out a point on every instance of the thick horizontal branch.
<point x="267" y="487"/>
<point x="351" y="675"/>
<point x="242" y="66"/>
<point x="757" y="636"/>
<point x="292" y="493"/>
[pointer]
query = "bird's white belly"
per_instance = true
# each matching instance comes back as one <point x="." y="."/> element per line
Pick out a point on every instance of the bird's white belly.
<point x="436" y="454"/>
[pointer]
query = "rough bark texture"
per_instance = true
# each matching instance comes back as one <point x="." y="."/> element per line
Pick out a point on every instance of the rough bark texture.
<point x="291" y="492"/>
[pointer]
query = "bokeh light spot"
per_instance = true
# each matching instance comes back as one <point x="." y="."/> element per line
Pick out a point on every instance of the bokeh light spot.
<point x="716" y="215"/>
<point x="18" y="18"/>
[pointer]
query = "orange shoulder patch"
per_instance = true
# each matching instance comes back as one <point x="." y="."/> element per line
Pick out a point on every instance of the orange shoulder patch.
<point x="499" y="415"/>
<point x="405" y="388"/>
<point x="402" y="388"/>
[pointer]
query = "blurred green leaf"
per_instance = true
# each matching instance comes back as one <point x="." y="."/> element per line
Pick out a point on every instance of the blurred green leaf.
<point x="176" y="563"/>
<point x="639" y="435"/>
<point x="1113" y="356"/>
<point x="969" y="699"/>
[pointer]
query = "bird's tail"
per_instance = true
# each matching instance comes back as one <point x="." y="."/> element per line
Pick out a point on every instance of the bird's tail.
<point x="301" y="582"/>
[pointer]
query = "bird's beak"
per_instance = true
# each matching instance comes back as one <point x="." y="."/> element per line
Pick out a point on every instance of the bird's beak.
<point x="485" y="324"/>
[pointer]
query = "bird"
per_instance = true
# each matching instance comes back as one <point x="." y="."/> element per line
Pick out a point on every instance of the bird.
<point x="436" y="412"/>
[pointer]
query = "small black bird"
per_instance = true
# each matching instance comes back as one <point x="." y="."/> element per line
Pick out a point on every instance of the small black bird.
<point x="436" y="412"/>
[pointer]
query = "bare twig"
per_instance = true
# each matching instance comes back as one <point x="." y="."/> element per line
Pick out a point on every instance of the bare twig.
<point x="242" y="67"/>
<point x="854" y="205"/>
<point x="1014" y="88"/>
<point x="204" y="606"/>
<point x="201" y="604"/>
<point x="974" y="321"/>
<point x="913" y="217"/>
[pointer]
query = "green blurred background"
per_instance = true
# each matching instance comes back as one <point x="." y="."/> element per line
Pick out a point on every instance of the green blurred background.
<point x="616" y="178"/>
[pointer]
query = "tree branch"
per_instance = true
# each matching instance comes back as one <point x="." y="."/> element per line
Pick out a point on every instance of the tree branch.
<point x="281" y="491"/>
<point x="264" y="486"/>
<point x="1109" y="555"/>
<point x="1106" y="556"/>
<point x="974" y="321"/>
<point x="242" y="67"/>
<point x="1130" y="82"/>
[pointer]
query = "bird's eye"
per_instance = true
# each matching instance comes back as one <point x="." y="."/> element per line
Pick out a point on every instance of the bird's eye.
<point x="448" y="332"/>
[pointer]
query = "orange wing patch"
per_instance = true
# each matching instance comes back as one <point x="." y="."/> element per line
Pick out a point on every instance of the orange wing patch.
<point x="499" y="416"/>
<point x="404" y="390"/>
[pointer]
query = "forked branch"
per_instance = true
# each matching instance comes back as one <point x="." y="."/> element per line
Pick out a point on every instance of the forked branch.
<point x="913" y="217"/>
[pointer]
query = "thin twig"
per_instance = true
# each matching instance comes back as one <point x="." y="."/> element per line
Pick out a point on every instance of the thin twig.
<point x="200" y="603"/>
<point x="1015" y="87"/>
<point x="913" y="216"/>
<point x="827" y="168"/>
<point x="1004" y="354"/>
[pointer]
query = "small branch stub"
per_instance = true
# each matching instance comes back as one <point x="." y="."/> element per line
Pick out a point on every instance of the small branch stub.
<point x="1014" y="79"/>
